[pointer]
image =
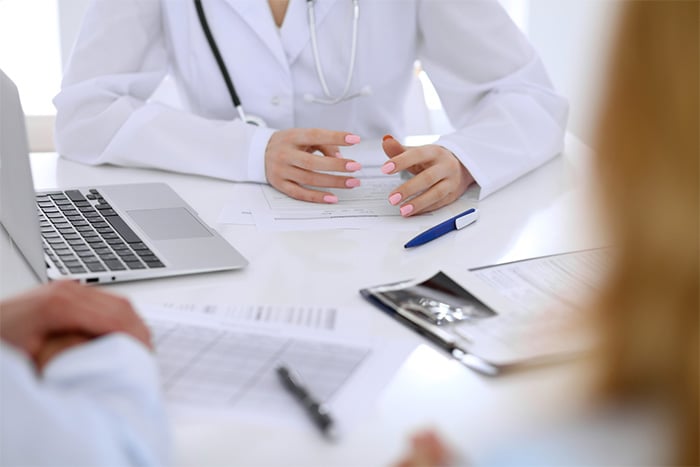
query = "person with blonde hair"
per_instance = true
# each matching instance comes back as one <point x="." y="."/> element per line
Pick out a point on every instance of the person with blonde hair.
<point x="647" y="166"/>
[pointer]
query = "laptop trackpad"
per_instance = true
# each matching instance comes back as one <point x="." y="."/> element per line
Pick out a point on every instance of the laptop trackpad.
<point x="169" y="223"/>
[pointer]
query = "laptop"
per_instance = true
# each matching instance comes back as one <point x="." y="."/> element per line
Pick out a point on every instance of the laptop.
<point x="99" y="234"/>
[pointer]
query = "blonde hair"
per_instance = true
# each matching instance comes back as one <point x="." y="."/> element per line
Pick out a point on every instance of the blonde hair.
<point x="648" y="151"/>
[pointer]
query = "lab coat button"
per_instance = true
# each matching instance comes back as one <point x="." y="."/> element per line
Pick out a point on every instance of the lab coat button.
<point x="275" y="100"/>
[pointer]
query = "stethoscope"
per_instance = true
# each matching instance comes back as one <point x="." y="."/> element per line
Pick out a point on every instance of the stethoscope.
<point x="328" y="98"/>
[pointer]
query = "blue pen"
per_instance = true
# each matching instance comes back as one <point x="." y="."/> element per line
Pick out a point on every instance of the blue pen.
<point x="459" y="221"/>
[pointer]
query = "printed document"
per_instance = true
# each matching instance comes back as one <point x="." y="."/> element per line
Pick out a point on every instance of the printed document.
<point x="364" y="207"/>
<point x="212" y="370"/>
<point x="562" y="282"/>
<point x="312" y="318"/>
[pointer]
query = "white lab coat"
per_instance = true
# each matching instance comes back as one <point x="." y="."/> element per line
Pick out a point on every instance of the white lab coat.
<point x="95" y="404"/>
<point x="491" y="82"/>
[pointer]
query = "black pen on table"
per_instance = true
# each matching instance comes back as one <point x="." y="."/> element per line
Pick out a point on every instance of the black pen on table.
<point x="317" y="411"/>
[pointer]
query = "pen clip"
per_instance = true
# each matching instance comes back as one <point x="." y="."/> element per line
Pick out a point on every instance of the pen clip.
<point x="466" y="218"/>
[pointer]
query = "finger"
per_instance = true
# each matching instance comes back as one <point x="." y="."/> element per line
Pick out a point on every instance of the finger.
<point x="330" y="150"/>
<point x="320" y="136"/>
<point x="93" y="312"/>
<point x="391" y="146"/>
<point x="126" y="318"/>
<point x="307" y="161"/>
<point x="318" y="179"/>
<point x="417" y="185"/>
<point x="301" y="193"/>
<point x="431" y="199"/>
<point x="434" y="448"/>
<point x="54" y="345"/>
<point x="414" y="160"/>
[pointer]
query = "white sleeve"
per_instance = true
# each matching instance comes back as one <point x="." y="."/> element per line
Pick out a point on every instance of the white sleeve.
<point x="494" y="89"/>
<point x="96" y="404"/>
<point x="103" y="112"/>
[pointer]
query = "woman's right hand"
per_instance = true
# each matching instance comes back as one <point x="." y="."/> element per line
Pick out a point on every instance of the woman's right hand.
<point x="291" y="165"/>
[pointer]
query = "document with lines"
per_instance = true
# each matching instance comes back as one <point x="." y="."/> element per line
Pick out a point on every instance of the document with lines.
<point x="211" y="370"/>
<point x="364" y="207"/>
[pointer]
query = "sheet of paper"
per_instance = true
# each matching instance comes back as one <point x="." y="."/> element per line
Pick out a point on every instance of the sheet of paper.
<point x="214" y="370"/>
<point x="364" y="207"/>
<point x="313" y="318"/>
<point x="562" y="281"/>
<point x="233" y="214"/>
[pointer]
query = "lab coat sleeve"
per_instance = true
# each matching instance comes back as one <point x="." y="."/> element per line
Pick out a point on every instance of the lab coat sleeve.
<point x="104" y="114"/>
<point x="494" y="89"/>
<point x="96" y="404"/>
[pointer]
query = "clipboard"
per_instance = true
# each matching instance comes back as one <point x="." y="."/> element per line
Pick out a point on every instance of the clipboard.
<point x="425" y="306"/>
<point x="463" y="319"/>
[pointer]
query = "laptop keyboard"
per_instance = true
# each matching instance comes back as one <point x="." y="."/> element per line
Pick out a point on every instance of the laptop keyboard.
<point x="84" y="234"/>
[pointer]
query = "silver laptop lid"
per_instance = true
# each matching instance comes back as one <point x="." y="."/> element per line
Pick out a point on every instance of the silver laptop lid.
<point x="18" y="212"/>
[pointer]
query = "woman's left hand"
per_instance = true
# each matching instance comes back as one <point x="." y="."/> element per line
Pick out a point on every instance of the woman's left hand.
<point x="439" y="177"/>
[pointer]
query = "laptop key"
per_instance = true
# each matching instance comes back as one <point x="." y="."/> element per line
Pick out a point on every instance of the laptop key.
<point x="75" y="195"/>
<point x="95" y="267"/>
<point x="114" y="265"/>
<point x="135" y="265"/>
<point x="76" y="269"/>
<point x="87" y="255"/>
<point x="123" y="229"/>
<point x="155" y="264"/>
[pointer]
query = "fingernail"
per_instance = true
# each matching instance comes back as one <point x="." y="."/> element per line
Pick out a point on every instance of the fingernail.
<point x="395" y="198"/>
<point x="406" y="210"/>
<point x="330" y="199"/>
<point x="352" y="139"/>
<point x="386" y="137"/>
<point x="388" y="168"/>
<point x="352" y="182"/>
<point x="338" y="155"/>
<point x="353" y="166"/>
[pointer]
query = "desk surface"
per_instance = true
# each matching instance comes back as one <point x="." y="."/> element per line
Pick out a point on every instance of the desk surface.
<point x="547" y="211"/>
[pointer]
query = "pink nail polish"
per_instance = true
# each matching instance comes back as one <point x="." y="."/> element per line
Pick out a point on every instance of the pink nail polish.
<point x="353" y="166"/>
<point x="330" y="199"/>
<point x="388" y="168"/>
<point x="338" y="155"/>
<point x="406" y="210"/>
<point x="352" y="139"/>
<point x="352" y="182"/>
<point x="395" y="198"/>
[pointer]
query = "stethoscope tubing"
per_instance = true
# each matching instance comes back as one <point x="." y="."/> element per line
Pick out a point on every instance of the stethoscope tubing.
<point x="219" y="59"/>
<point x="329" y="99"/>
<point x="317" y="59"/>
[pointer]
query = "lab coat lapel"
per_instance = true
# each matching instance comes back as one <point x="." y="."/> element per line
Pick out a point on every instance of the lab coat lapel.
<point x="256" y="14"/>
<point x="295" y="30"/>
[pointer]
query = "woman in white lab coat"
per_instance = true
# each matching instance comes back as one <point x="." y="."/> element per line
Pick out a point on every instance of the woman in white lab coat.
<point x="493" y="86"/>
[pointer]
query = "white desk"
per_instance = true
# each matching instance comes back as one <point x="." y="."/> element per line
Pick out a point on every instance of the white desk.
<point x="547" y="211"/>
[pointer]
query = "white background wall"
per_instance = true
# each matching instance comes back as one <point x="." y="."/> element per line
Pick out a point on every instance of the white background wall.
<point x="573" y="38"/>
